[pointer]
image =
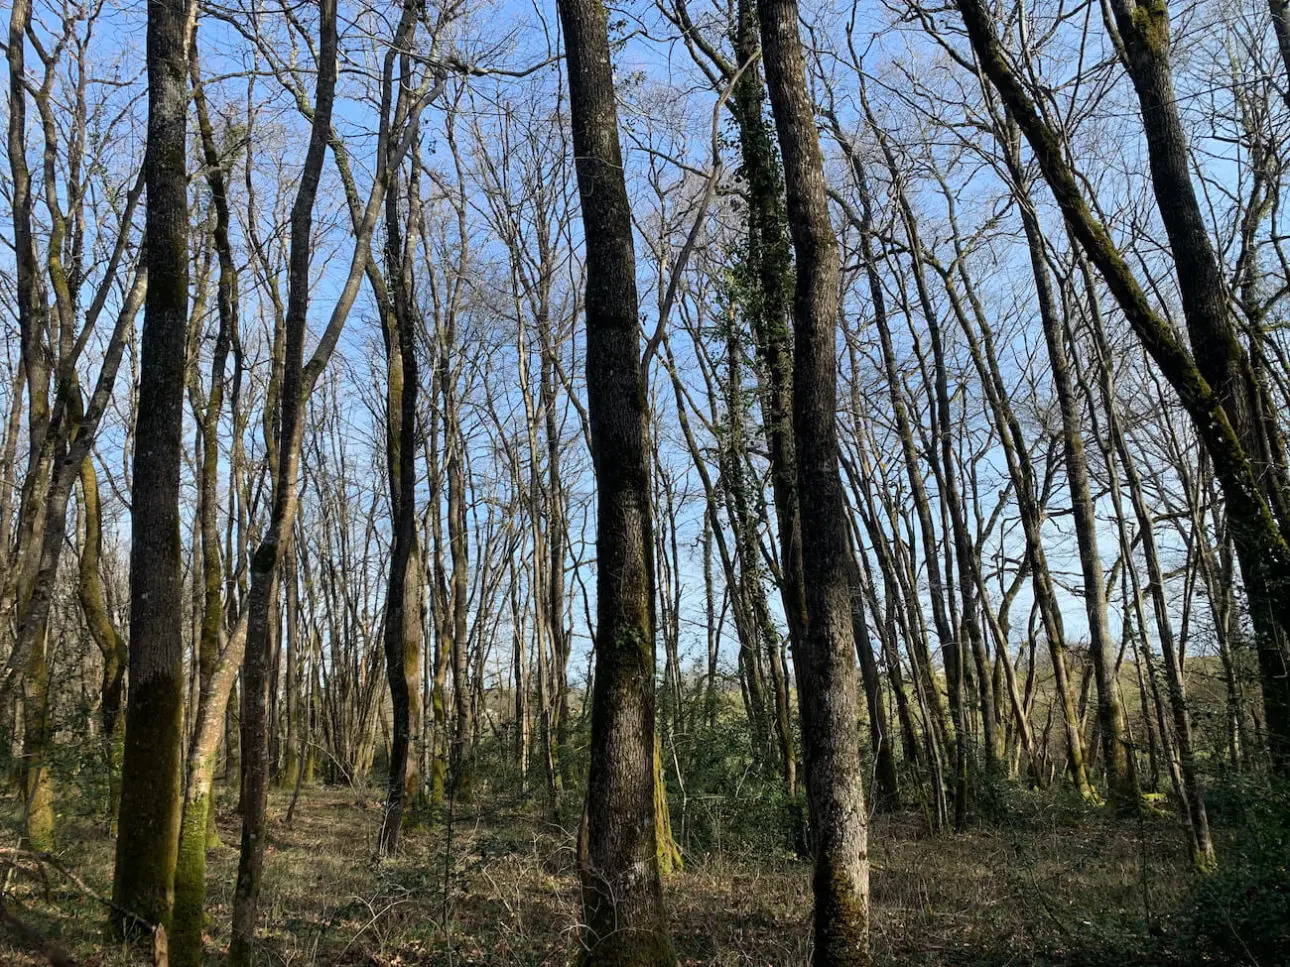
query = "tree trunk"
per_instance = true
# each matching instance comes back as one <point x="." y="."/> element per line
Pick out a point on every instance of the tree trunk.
<point x="264" y="564"/>
<point x="1122" y="779"/>
<point x="110" y="642"/>
<point x="151" y="777"/>
<point x="824" y="659"/>
<point x="621" y="889"/>
<point x="402" y="632"/>
<point x="217" y="667"/>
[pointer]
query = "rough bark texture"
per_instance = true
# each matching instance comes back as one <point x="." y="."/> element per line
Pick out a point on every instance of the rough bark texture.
<point x="824" y="658"/>
<point x="621" y="889"/>
<point x="151" y="779"/>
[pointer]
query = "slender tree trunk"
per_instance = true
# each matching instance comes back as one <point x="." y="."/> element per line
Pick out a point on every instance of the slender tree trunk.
<point x="110" y="642"/>
<point x="1122" y="779"/>
<point x="402" y="632"/>
<point x="1209" y="385"/>
<point x="264" y="563"/>
<point x="1192" y="788"/>
<point x="463" y="734"/>
<point x="217" y="666"/>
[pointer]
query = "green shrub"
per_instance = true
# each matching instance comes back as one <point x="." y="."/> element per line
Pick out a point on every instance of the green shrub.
<point x="1242" y="911"/>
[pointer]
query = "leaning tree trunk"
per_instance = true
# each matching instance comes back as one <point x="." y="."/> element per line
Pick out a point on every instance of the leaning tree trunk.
<point x="1206" y="383"/>
<point x="824" y="657"/>
<point x="217" y="668"/>
<point x="111" y="643"/>
<point x="1121" y="772"/>
<point x="1220" y="358"/>
<point x="621" y="888"/>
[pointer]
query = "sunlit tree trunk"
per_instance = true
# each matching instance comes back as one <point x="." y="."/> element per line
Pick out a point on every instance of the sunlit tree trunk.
<point x="824" y="658"/>
<point x="151" y="774"/>
<point x="402" y="632"/>
<point x="621" y="889"/>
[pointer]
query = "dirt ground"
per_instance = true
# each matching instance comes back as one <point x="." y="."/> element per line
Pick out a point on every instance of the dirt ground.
<point x="497" y="886"/>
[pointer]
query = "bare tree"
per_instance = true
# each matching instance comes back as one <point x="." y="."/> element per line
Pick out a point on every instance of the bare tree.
<point x="151" y="773"/>
<point x="823" y="658"/>
<point x="622" y="894"/>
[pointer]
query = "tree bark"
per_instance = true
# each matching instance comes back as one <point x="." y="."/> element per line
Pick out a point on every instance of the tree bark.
<point x="151" y="777"/>
<point x="217" y="666"/>
<point x="621" y="888"/>
<point x="402" y="632"/>
<point x="824" y="659"/>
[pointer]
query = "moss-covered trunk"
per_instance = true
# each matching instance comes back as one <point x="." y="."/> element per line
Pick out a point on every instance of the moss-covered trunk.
<point x="402" y="631"/>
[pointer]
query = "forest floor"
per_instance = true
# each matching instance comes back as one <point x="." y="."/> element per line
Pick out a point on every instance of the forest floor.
<point x="498" y="886"/>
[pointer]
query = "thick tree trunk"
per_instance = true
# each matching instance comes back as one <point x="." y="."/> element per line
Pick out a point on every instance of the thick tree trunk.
<point x="621" y="889"/>
<point x="770" y="302"/>
<point x="1219" y="355"/>
<point x="151" y="777"/>
<point x="824" y="658"/>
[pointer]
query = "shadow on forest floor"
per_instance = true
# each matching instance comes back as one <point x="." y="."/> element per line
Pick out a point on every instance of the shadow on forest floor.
<point x="497" y="886"/>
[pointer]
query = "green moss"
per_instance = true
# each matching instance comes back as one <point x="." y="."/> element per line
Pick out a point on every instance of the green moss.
<point x="190" y="886"/>
<point x="438" y="773"/>
<point x="463" y="784"/>
<point x="40" y="808"/>
<point x="841" y="917"/>
<point x="667" y="852"/>
<point x="290" y="769"/>
<point x="631" y="948"/>
<point x="212" y="831"/>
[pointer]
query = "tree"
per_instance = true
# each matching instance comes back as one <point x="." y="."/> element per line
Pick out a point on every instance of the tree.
<point x="621" y="889"/>
<point x="1217" y="397"/>
<point x="824" y="657"/>
<point x="403" y="590"/>
<point x="298" y="377"/>
<point x="218" y="655"/>
<point x="151" y="778"/>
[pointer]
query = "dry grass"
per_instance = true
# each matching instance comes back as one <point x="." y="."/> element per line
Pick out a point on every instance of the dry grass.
<point x="498" y="887"/>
